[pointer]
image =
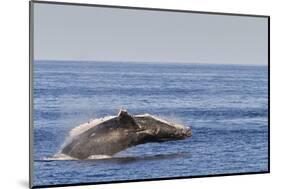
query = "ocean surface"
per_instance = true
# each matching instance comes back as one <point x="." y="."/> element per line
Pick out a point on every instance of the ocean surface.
<point x="225" y="105"/>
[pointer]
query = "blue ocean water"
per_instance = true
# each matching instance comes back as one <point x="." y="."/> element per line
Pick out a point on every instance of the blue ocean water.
<point x="225" y="105"/>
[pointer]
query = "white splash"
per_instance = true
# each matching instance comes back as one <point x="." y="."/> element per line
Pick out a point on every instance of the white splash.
<point x="99" y="157"/>
<point x="76" y="131"/>
<point x="59" y="156"/>
<point x="63" y="157"/>
<point x="86" y="126"/>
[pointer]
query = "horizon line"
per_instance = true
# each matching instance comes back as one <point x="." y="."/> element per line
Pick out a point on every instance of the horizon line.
<point x="146" y="62"/>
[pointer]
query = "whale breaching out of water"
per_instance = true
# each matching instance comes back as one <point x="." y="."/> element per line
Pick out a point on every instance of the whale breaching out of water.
<point x="113" y="134"/>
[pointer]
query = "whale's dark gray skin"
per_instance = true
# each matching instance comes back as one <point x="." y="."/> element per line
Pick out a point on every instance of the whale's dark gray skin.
<point x="121" y="132"/>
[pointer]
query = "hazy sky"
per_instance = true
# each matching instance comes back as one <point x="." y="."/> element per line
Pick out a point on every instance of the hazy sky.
<point x="106" y="34"/>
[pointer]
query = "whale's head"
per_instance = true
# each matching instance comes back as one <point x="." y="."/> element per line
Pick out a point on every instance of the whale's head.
<point x="159" y="129"/>
<point x="173" y="132"/>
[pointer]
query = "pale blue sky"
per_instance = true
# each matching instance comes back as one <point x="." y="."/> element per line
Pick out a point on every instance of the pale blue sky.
<point x="64" y="32"/>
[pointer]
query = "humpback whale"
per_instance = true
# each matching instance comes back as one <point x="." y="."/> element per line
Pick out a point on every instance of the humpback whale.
<point x="116" y="133"/>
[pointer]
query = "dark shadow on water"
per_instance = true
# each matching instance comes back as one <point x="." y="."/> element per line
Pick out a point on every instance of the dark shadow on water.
<point x="133" y="159"/>
<point x="126" y="159"/>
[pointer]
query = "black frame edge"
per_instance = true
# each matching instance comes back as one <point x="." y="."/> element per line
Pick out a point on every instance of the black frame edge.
<point x="148" y="8"/>
<point x="31" y="50"/>
<point x="268" y="77"/>
<point x="149" y="180"/>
